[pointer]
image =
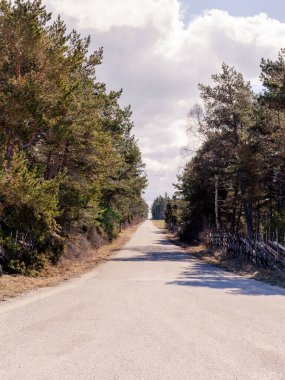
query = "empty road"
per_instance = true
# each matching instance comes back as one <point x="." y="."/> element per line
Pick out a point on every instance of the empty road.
<point x="151" y="312"/>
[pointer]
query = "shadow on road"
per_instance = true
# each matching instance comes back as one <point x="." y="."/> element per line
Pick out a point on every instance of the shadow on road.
<point x="160" y="232"/>
<point x="152" y="253"/>
<point x="204" y="275"/>
<point x="198" y="273"/>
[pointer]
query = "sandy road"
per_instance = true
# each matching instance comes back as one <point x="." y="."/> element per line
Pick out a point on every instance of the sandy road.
<point x="150" y="312"/>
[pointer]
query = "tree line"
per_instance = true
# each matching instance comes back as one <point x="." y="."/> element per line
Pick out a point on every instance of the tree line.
<point x="68" y="158"/>
<point x="236" y="180"/>
<point x="158" y="207"/>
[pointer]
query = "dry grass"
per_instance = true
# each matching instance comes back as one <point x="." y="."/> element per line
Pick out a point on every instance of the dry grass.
<point x="12" y="286"/>
<point x="159" y="224"/>
<point x="231" y="264"/>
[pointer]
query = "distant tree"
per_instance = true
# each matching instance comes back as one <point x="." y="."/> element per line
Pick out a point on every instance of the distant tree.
<point x="158" y="207"/>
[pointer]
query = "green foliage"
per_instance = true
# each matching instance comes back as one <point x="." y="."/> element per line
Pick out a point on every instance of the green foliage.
<point x="159" y="206"/>
<point x="28" y="197"/>
<point x="242" y="158"/>
<point x="68" y="159"/>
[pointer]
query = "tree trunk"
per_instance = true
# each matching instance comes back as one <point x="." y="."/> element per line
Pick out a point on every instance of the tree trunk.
<point x="238" y="220"/>
<point x="217" y="203"/>
<point x="235" y="205"/>
<point x="65" y="157"/>
<point x="248" y="217"/>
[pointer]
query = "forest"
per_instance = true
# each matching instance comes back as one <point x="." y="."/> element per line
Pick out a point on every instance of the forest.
<point x="68" y="159"/>
<point x="158" y="207"/>
<point x="235" y="181"/>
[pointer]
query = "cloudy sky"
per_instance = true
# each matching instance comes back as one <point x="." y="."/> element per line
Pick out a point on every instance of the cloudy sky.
<point x="159" y="50"/>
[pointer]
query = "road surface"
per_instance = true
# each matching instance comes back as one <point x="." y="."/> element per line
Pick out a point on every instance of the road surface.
<point x="151" y="312"/>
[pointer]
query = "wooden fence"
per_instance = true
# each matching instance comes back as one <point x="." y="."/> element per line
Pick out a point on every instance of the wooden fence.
<point x="18" y="244"/>
<point x="262" y="252"/>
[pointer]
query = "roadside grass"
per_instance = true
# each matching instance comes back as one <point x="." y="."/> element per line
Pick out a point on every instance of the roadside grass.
<point x="15" y="285"/>
<point x="159" y="223"/>
<point x="231" y="264"/>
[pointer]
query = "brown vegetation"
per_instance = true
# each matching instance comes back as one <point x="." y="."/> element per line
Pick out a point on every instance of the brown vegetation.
<point x="159" y="223"/>
<point x="231" y="264"/>
<point x="78" y="260"/>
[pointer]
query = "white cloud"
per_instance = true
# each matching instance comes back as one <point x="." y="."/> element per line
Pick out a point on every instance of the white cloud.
<point x="105" y="14"/>
<point x="154" y="165"/>
<point x="159" y="62"/>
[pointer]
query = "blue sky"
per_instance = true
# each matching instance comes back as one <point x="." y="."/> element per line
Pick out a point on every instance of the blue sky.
<point x="274" y="8"/>
<point x="159" y="61"/>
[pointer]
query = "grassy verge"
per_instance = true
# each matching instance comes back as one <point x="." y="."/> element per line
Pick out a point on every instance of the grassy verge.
<point x="231" y="264"/>
<point x="14" y="285"/>
<point x="159" y="224"/>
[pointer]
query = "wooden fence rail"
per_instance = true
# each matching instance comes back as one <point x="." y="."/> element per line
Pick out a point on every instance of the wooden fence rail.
<point x="24" y="242"/>
<point x="264" y="253"/>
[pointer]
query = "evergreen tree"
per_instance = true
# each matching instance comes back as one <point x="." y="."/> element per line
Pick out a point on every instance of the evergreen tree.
<point x="158" y="207"/>
<point x="68" y="159"/>
<point x="236" y="179"/>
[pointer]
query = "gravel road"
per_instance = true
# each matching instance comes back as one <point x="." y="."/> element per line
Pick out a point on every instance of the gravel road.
<point x="151" y="312"/>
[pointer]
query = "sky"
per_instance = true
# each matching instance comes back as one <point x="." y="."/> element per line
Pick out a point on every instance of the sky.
<point x="158" y="51"/>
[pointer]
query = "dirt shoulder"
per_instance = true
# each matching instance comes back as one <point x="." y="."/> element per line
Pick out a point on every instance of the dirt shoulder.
<point x="233" y="265"/>
<point x="159" y="223"/>
<point x="14" y="285"/>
